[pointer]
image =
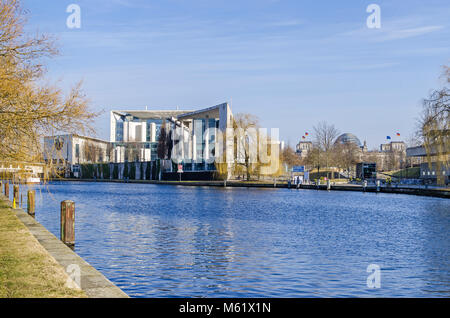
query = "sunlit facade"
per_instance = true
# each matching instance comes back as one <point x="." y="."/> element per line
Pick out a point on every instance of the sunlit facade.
<point x="135" y="135"/>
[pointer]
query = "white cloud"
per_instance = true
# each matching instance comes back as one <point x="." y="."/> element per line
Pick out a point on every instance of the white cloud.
<point x="408" y="33"/>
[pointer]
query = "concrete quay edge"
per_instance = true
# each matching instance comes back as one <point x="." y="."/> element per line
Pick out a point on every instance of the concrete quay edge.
<point x="92" y="282"/>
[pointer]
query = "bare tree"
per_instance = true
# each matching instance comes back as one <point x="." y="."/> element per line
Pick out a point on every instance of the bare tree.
<point x="324" y="137"/>
<point x="29" y="108"/>
<point x="313" y="159"/>
<point x="435" y="126"/>
<point x="244" y="124"/>
<point x="290" y="157"/>
<point x="346" y="156"/>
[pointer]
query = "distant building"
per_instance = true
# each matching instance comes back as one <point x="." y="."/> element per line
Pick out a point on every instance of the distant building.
<point x="303" y="147"/>
<point x="390" y="156"/>
<point x="191" y="135"/>
<point x="366" y="170"/>
<point x="399" y="146"/>
<point x="347" y="138"/>
<point x="429" y="170"/>
<point x="75" y="149"/>
<point x="67" y="152"/>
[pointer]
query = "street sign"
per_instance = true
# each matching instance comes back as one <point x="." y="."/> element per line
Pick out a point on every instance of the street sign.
<point x="298" y="169"/>
<point x="180" y="168"/>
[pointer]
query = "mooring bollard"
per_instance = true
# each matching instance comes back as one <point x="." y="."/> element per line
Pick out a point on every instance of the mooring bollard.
<point x="68" y="222"/>
<point x="378" y="185"/>
<point x="7" y="190"/>
<point x="16" y="194"/>
<point x="31" y="202"/>
<point x="328" y="184"/>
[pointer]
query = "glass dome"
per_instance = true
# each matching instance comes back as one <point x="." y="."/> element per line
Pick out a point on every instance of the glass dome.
<point x="347" y="137"/>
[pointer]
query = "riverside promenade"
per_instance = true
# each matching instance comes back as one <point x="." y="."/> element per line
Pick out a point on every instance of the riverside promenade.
<point x="439" y="192"/>
<point x="33" y="262"/>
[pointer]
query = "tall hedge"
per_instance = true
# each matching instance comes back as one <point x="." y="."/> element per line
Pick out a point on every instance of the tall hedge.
<point x="125" y="171"/>
<point x="105" y="170"/>
<point x="116" y="171"/>
<point x="133" y="171"/>
<point x="148" y="170"/>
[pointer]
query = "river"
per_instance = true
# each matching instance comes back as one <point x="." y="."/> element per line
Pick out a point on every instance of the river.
<point x="175" y="241"/>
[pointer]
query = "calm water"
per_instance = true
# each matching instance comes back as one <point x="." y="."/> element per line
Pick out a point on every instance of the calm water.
<point x="169" y="241"/>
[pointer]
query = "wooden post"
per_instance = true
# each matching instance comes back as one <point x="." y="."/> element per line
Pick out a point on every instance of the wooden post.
<point x="7" y="190"/>
<point x="16" y="194"/>
<point x="31" y="202"/>
<point x="68" y="222"/>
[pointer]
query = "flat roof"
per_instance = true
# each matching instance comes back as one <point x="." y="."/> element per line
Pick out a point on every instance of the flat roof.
<point x="79" y="136"/>
<point x="151" y="114"/>
<point x="214" y="110"/>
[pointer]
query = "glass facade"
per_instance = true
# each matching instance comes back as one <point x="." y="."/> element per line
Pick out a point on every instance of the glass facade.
<point x="199" y="130"/>
<point x="212" y="124"/>
<point x="150" y="146"/>
<point x="148" y="133"/>
<point x="158" y="123"/>
<point x="119" y="131"/>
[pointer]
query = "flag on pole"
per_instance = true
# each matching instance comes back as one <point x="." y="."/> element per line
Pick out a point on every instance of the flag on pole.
<point x="398" y="134"/>
<point x="306" y="133"/>
<point x="388" y="137"/>
<point x="303" y="137"/>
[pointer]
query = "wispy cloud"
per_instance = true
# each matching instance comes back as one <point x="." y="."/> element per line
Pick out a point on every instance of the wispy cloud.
<point x="399" y="29"/>
<point x="408" y="33"/>
<point x="288" y="23"/>
<point x="132" y="4"/>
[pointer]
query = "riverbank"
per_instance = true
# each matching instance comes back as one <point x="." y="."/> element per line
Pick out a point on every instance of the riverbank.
<point x="26" y="269"/>
<point x="394" y="189"/>
<point x="33" y="262"/>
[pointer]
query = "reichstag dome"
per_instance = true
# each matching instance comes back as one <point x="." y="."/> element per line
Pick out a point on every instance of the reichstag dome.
<point x="347" y="138"/>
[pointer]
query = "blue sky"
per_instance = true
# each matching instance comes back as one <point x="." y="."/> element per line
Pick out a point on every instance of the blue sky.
<point x="291" y="63"/>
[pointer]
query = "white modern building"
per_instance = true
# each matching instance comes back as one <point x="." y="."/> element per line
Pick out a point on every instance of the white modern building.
<point x="134" y="134"/>
<point x="75" y="149"/>
<point x="68" y="152"/>
<point x="191" y="135"/>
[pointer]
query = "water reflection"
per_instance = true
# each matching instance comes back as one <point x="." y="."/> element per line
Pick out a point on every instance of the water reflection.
<point x="163" y="241"/>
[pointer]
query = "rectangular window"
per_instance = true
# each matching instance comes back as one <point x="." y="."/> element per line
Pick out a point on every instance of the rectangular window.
<point x="119" y="131"/>
<point x="158" y="123"/>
